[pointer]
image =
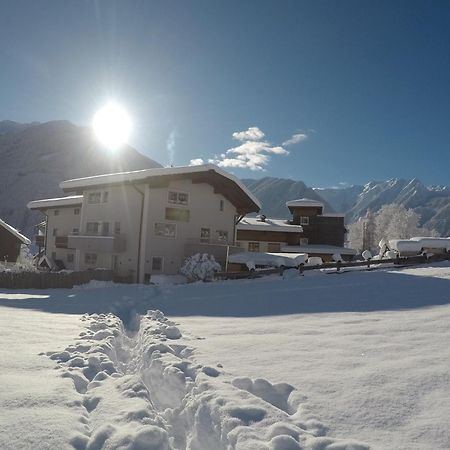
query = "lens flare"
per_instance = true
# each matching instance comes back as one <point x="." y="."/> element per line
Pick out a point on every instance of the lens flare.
<point x="112" y="126"/>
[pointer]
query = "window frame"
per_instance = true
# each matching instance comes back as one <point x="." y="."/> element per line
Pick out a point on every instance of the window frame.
<point x="70" y="257"/>
<point x="177" y="201"/>
<point x="96" y="194"/>
<point x="88" y="259"/>
<point x="94" y="233"/>
<point x="204" y="239"/>
<point x="161" y="269"/>
<point x="304" y="220"/>
<point x="254" y="244"/>
<point x="219" y="239"/>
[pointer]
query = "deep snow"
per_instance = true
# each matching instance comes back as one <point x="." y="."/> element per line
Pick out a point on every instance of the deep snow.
<point x="268" y="363"/>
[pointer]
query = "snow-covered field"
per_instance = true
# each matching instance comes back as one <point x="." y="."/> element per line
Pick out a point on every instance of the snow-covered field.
<point x="322" y="361"/>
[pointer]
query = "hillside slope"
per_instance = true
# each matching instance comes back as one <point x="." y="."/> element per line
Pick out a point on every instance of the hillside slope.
<point x="35" y="158"/>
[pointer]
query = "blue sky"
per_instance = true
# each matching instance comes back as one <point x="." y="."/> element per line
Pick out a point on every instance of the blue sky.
<point x="364" y="85"/>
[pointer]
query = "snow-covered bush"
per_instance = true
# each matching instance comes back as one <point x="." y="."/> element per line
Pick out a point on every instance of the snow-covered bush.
<point x="366" y="255"/>
<point x="200" y="267"/>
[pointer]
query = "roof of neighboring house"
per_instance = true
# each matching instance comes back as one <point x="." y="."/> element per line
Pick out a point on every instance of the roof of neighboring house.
<point x="268" y="259"/>
<point x="72" y="200"/>
<point x="304" y="202"/>
<point x="15" y="232"/>
<point x="256" y="224"/>
<point x="225" y="183"/>
<point x="318" y="249"/>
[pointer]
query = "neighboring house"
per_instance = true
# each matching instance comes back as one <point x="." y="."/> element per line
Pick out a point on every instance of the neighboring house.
<point x="309" y="231"/>
<point x="11" y="242"/>
<point x="144" y="222"/>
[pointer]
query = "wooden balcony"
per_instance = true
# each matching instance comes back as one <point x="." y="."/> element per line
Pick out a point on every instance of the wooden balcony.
<point x="98" y="243"/>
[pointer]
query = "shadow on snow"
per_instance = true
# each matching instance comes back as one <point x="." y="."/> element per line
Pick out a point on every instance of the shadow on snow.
<point x="351" y="292"/>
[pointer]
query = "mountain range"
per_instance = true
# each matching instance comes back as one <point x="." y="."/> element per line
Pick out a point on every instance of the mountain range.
<point x="36" y="157"/>
<point x="432" y="203"/>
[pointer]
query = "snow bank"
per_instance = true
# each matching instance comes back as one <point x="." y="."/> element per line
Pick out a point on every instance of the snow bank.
<point x="144" y="390"/>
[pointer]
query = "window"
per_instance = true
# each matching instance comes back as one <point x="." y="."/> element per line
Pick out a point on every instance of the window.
<point x="157" y="264"/>
<point x="90" y="258"/>
<point x="205" y="234"/>
<point x="165" y="229"/>
<point x="105" y="228"/>
<point x="273" y="247"/>
<point x="92" y="227"/>
<point x="303" y="241"/>
<point x="181" y="215"/>
<point x="253" y="246"/>
<point x="70" y="257"/>
<point x="76" y="231"/>
<point x="178" y="198"/>
<point x="116" y="227"/>
<point x="304" y="220"/>
<point x="105" y="196"/>
<point x="221" y="205"/>
<point x="222" y="236"/>
<point x="55" y="232"/>
<point x="94" y="198"/>
<point x="76" y="211"/>
<point x="56" y="212"/>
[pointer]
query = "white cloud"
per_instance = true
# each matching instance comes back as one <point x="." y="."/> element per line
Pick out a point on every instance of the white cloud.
<point x="196" y="162"/>
<point x="253" y="151"/>
<point x="251" y="134"/>
<point x="295" y="139"/>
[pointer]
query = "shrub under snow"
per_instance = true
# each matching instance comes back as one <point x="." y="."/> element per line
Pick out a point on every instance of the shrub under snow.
<point x="200" y="267"/>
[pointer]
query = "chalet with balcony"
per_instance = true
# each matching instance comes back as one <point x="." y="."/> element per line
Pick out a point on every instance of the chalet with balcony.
<point x="144" y="222"/>
<point x="309" y="231"/>
<point x="11" y="242"/>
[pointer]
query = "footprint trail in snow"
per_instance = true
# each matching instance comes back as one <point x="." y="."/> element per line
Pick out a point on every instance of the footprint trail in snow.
<point x="143" y="390"/>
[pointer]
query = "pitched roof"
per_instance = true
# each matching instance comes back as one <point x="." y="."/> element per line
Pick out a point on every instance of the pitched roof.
<point x="224" y="182"/>
<point x="304" y="202"/>
<point x="15" y="232"/>
<point x="72" y="200"/>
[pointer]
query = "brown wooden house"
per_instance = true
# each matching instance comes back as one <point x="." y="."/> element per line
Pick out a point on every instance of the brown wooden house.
<point x="11" y="242"/>
<point x="308" y="231"/>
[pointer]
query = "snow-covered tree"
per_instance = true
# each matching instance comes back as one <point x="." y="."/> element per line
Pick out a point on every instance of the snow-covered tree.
<point x="390" y="222"/>
<point x="200" y="267"/>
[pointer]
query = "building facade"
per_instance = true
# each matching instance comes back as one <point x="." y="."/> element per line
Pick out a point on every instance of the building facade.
<point x="144" y="222"/>
<point x="308" y="231"/>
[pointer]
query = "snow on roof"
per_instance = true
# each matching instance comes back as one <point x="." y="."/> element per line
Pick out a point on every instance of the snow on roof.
<point x="304" y="202"/>
<point x="333" y="215"/>
<point x="268" y="259"/>
<point x="15" y="232"/>
<point x="255" y="224"/>
<point x="139" y="175"/>
<point x="317" y="248"/>
<point x="405" y="245"/>
<point x="55" y="202"/>
<point x="416" y="244"/>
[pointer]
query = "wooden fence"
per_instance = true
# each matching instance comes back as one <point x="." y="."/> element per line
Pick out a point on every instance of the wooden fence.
<point x="370" y="264"/>
<point x="50" y="280"/>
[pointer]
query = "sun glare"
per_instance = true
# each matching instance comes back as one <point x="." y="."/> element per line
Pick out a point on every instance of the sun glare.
<point x="112" y="126"/>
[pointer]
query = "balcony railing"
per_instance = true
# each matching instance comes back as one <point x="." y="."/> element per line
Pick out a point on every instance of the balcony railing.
<point x="98" y="243"/>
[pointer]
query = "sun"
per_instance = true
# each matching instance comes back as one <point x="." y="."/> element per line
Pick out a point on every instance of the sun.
<point x="112" y="126"/>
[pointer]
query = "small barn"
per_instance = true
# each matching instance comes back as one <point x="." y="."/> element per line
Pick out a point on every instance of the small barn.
<point x="10" y="242"/>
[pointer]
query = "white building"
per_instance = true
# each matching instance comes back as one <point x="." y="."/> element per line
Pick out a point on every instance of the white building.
<point x="144" y="222"/>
